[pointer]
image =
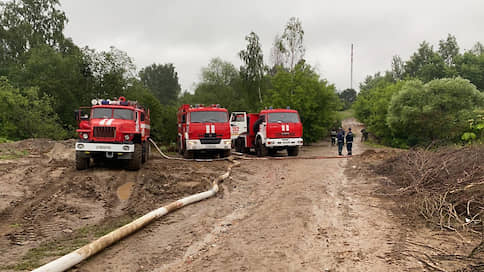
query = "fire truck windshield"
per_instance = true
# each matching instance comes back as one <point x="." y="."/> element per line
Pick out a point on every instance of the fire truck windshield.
<point x="112" y="113"/>
<point x="208" y="117"/>
<point x="283" y="117"/>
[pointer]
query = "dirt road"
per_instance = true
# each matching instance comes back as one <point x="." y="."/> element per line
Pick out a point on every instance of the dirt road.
<point x="271" y="215"/>
<point x="289" y="215"/>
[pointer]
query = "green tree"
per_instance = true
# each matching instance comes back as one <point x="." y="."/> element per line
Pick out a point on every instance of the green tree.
<point x="26" y="24"/>
<point x="56" y="75"/>
<point x="162" y="81"/>
<point x="425" y="64"/>
<point x="471" y="66"/>
<point x="303" y="90"/>
<point x="398" y="68"/>
<point x="111" y="71"/>
<point x="26" y="114"/>
<point x="162" y="117"/>
<point x="348" y="97"/>
<point x="288" y="49"/>
<point x="253" y="69"/>
<point x="448" y="50"/>
<point x="439" y="110"/>
<point x="371" y="107"/>
<point x="220" y="84"/>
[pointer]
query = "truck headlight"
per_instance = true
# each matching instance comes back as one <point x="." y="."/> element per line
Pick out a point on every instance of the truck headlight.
<point x="126" y="137"/>
<point x="85" y="136"/>
<point x="80" y="146"/>
<point x="125" y="148"/>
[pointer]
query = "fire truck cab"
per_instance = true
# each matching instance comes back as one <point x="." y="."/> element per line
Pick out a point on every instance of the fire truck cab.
<point x="203" y="129"/>
<point x="276" y="129"/>
<point x="109" y="130"/>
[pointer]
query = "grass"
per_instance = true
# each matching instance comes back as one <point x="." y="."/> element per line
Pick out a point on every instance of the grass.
<point x="341" y="115"/>
<point x="35" y="257"/>
<point x="11" y="155"/>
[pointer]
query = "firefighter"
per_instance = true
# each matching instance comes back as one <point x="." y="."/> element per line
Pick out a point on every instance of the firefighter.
<point x="349" y="141"/>
<point x="333" y="136"/>
<point x="364" y="135"/>
<point x="341" y="141"/>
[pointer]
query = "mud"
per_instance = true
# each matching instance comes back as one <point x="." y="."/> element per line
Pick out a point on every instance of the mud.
<point x="270" y="215"/>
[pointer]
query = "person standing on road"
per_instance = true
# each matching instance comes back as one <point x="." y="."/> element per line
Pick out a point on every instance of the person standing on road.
<point x="349" y="141"/>
<point x="341" y="141"/>
<point x="364" y="135"/>
<point x="333" y="136"/>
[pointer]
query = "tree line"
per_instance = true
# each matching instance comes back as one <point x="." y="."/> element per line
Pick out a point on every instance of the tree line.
<point x="434" y="96"/>
<point x="45" y="76"/>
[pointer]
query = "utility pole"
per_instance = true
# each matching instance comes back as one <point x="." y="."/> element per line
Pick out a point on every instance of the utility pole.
<point x="351" y="76"/>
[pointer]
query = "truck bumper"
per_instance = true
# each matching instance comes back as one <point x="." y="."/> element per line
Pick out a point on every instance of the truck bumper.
<point x="283" y="142"/>
<point x="196" y="145"/>
<point x="105" y="147"/>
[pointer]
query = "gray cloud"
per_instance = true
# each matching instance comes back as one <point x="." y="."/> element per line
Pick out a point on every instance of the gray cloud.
<point x="190" y="33"/>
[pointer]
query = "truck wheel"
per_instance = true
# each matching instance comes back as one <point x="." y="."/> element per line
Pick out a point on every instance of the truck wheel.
<point x="81" y="162"/>
<point x="179" y="147"/>
<point x="188" y="154"/>
<point x="224" y="153"/>
<point x="293" y="151"/>
<point x="239" y="145"/>
<point x="260" y="149"/>
<point x="146" y="152"/>
<point x="135" y="162"/>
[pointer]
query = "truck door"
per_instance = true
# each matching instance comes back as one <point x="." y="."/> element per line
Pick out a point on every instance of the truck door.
<point x="238" y="124"/>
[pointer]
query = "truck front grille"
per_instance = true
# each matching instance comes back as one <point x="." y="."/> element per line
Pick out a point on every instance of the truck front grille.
<point x="104" y="132"/>
<point x="210" y="140"/>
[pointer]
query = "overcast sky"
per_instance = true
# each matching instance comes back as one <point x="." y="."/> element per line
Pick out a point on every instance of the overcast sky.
<point x="190" y="33"/>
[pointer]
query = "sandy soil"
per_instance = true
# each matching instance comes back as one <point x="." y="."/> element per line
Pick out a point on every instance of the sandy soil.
<point x="271" y="215"/>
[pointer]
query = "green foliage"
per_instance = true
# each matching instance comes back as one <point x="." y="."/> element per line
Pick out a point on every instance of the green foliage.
<point x="425" y="64"/>
<point x="371" y="107"/>
<point x="162" y="117"/>
<point x="162" y="81"/>
<point x="347" y="97"/>
<point x="314" y="98"/>
<point x="252" y="72"/>
<point x="439" y="110"/>
<point x="26" y="114"/>
<point x="220" y="84"/>
<point x="475" y="132"/>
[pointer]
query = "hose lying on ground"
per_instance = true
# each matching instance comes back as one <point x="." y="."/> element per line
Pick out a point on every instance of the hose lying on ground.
<point x="81" y="254"/>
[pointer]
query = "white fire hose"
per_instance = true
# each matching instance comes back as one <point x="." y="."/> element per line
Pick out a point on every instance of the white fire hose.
<point x="81" y="254"/>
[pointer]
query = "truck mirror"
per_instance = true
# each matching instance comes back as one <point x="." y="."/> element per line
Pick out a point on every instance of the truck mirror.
<point x="77" y="115"/>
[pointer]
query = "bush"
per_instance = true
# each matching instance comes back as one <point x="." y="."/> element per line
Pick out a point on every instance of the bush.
<point x="24" y="114"/>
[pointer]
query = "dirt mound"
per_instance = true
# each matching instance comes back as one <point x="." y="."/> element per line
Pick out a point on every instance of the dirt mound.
<point x="46" y="203"/>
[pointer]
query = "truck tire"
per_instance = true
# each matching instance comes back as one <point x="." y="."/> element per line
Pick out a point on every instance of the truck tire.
<point x="293" y="151"/>
<point x="224" y="153"/>
<point x="260" y="149"/>
<point x="81" y="162"/>
<point x="239" y="145"/>
<point x="135" y="162"/>
<point x="179" y="147"/>
<point x="188" y="154"/>
<point x="146" y="152"/>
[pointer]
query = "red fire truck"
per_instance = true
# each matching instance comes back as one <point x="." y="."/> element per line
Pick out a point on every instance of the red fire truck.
<point x="117" y="129"/>
<point x="203" y="129"/>
<point x="278" y="129"/>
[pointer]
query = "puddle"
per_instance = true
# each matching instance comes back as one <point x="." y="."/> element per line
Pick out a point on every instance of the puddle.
<point x="124" y="191"/>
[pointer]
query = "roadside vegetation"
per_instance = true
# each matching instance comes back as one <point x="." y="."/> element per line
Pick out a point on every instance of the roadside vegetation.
<point x="44" y="77"/>
<point x="434" y="97"/>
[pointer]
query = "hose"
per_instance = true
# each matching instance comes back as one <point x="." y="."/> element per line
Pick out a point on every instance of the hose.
<point x="67" y="261"/>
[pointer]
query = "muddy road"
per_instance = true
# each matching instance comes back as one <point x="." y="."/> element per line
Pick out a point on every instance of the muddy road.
<point x="271" y="215"/>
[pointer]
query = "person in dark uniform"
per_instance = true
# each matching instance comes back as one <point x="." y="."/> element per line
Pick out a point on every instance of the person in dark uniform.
<point x="364" y="135"/>
<point x="349" y="141"/>
<point x="333" y="136"/>
<point x="257" y="124"/>
<point x="341" y="141"/>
